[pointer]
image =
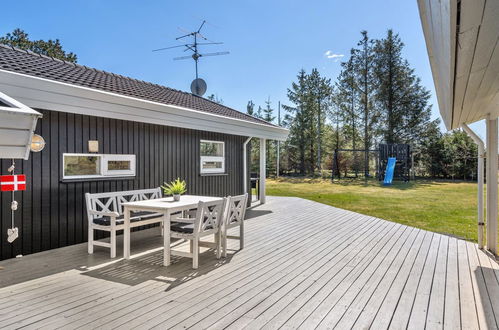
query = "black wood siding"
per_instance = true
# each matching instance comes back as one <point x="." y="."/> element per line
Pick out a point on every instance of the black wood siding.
<point x="52" y="213"/>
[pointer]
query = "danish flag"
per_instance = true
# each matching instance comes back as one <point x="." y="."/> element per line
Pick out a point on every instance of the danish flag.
<point x="12" y="182"/>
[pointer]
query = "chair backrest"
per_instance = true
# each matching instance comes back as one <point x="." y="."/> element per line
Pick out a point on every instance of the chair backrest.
<point x="235" y="209"/>
<point x="208" y="216"/>
<point x="113" y="201"/>
<point x="137" y="195"/>
<point x="100" y="204"/>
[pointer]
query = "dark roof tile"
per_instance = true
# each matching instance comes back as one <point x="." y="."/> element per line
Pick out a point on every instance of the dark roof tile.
<point x="29" y="63"/>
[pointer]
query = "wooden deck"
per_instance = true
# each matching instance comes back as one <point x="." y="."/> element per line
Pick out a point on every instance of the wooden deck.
<point x="305" y="265"/>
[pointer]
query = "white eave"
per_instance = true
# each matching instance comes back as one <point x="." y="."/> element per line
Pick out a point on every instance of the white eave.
<point x="17" y="124"/>
<point x="462" y="42"/>
<point x="52" y="95"/>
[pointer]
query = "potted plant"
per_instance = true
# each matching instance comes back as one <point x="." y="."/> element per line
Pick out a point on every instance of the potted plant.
<point x="175" y="188"/>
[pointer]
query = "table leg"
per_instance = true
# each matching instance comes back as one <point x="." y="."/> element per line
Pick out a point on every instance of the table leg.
<point x="166" y="239"/>
<point x="126" y="234"/>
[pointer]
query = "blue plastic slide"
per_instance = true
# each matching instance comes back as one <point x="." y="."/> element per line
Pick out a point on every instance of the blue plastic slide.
<point x="390" y="168"/>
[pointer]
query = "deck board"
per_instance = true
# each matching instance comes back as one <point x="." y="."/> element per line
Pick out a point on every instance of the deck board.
<point x="305" y="265"/>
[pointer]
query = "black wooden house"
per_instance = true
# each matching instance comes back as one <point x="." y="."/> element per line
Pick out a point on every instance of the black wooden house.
<point x="106" y="132"/>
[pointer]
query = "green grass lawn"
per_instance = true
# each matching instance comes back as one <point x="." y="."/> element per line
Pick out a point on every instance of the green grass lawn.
<point x="444" y="207"/>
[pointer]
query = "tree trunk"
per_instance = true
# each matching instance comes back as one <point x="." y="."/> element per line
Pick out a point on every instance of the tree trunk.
<point x="366" y="123"/>
<point x="312" y="151"/>
<point x="319" y="161"/>
<point x="354" y="135"/>
<point x="391" y="126"/>
<point x="302" y="153"/>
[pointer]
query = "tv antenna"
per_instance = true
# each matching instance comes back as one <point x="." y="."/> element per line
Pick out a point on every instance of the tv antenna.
<point x="198" y="85"/>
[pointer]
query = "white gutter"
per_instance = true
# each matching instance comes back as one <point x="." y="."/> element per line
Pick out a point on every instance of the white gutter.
<point x="481" y="156"/>
<point x="245" y="166"/>
<point x="41" y="93"/>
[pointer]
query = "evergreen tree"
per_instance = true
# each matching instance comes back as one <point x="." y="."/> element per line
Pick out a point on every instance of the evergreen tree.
<point x="449" y="155"/>
<point x="347" y="103"/>
<point x="268" y="116"/>
<point x="214" y="98"/>
<point x="18" y="38"/>
<point x="250" y="108"/>
<point x="320" y="91"/>
<point x="259" y="113"/>
<point x="298" y="122"/>
<point x="363" y="67"/>
<point x="336" y="117"/>
<point x="268" y="112"/>
<point x="429" y="158"/>
<point x="399" y="95"/>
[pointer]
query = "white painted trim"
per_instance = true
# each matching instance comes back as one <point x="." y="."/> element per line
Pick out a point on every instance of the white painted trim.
<point x="492" y="188"/>
<point x="438" y="20"/>
<point x="102" y="167"/>
<point x="245" y="165"/>
<point x="480" y="179"/>
<point x="212" y="159"/>
<point x="17" y="124"/>
<point x="118" y="157"/>
<point x="52" y="95"/>
<point x="16" y="107"/>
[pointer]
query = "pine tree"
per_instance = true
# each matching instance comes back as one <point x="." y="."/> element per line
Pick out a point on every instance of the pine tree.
<point x="336" y="117"/>
<point x="320" y="91"/>
<point x="259" y="113"/>
<point x="214" y="98"/>
<point x="268" y="112"/>
<point x="347" y="103"/>
<point x="20" y="39"/>
<point x="268" y="116"/>
<point x="250" y="108"/>
<point x="399" y="95"/>
<point x="298" y="122"/>
<point x="363" y="67"/>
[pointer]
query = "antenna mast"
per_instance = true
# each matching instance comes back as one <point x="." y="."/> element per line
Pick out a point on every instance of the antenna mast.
<point x="198" y="86"/>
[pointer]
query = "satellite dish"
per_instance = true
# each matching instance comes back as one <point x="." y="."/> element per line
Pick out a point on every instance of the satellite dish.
<point x="198" y="87"/>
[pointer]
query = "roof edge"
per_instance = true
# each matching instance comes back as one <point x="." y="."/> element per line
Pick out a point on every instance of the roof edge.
<point x="128" y="78"/>
<point x="92" y="94"/>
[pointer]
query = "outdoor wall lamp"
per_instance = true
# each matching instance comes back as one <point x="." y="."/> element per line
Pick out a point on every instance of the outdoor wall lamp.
<point x="37" y="143"/>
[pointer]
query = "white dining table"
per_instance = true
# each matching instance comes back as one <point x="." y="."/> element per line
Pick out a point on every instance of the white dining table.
<point x="167" y="206"/>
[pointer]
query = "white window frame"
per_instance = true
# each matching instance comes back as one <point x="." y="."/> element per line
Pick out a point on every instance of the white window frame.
<point x="212" y="159"/>
<point x="105" y="165"/>
<point x="103" y="170"/>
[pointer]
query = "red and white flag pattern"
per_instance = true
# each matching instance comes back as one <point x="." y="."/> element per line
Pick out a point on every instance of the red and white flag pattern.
<point x="12" y="182"/>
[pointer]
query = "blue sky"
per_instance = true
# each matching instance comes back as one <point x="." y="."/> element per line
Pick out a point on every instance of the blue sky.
<point x="269" y="41"/>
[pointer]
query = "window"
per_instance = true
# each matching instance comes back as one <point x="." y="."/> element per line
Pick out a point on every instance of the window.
<point x="212" y="157"/>
<point x="118" y="165"/>
<point x="82" y="166"/>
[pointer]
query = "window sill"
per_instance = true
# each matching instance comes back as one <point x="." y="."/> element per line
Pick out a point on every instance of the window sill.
<point x="213" y="174"/>
<point x="103" y="178"/>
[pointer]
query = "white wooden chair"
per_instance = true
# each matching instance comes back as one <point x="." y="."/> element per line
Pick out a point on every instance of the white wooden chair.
<point x="105" y="213"/>
<point x="235" y="210"/>
<point x="207" y="222"/>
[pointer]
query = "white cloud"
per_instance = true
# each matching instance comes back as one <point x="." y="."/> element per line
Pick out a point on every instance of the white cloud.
<point x="333" y="56"/>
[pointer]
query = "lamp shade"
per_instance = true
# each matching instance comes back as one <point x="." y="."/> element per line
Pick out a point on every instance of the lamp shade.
<point x="16" y="130"/>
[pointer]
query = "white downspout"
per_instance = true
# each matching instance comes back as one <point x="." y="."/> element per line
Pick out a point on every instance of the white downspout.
<point x="481" y="156"/>
<point x="245" y="166"/>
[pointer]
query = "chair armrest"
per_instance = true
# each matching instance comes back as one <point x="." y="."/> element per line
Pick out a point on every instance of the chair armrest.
<point x="108" y="214"/>
<point x="185" y="220"/>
